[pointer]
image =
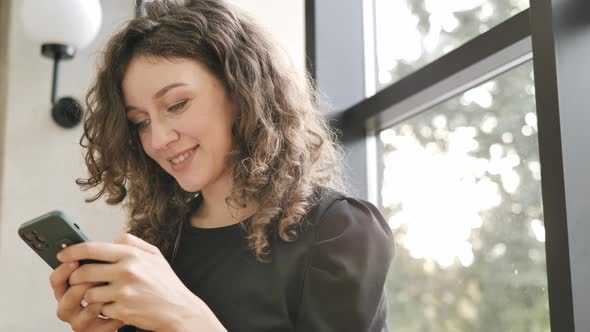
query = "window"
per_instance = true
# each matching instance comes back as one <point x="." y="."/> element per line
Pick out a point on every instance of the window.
<point x="419" y="110"/>
<point x="412" y="33"/>
<point x="461" y="190"/>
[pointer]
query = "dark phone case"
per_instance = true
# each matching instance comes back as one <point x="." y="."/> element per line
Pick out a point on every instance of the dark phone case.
<point x="49" y="234"/>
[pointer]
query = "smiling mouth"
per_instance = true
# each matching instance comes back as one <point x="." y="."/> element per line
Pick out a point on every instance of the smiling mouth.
<point x="183" y="157"/>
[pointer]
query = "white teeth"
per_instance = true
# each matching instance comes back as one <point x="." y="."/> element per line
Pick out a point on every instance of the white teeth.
<point x="181" y="158"/>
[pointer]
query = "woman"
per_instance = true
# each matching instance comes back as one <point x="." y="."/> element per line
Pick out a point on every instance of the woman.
<point x="232" y="181"/>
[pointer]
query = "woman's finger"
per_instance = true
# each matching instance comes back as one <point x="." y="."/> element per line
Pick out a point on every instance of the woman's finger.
<point x="101" y="251"/>
<point x="70" y="303"/>
<point x="59" y="278"/>
<point x="134" y="241"/>
<point x="106" y="325"/>
<point x="111" y="310"/>
<point x="91" y="311"/>
<point x="86" y="317"/>
<point x="94" y="272"/>
<point x="88" y="320"/>
<point x="100" y="294"/>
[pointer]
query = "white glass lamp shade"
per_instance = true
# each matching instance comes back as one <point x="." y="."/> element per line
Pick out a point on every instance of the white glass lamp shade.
<point x="70" y="22"/>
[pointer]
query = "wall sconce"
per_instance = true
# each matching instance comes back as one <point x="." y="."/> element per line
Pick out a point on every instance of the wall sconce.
<point x="62" y="26"/>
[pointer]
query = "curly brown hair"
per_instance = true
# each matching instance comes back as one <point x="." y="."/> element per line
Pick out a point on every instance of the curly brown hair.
<point x="283" y="148"/>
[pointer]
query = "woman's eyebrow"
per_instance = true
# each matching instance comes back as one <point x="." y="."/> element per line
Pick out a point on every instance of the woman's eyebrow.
<point x="158" y="94"/>
<point x="167" y="88"/>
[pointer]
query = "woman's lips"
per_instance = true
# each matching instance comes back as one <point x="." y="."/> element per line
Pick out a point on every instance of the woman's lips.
<point x="183" y="160"/>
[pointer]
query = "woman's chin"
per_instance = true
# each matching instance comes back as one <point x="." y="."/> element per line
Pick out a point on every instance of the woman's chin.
<point x="189" y="187"/>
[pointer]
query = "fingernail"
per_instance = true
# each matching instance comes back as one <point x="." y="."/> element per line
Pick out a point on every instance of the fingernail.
<point x="59" y="256"/>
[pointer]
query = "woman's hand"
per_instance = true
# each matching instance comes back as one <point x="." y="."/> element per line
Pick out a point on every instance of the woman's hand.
<point x="141" y="290"/>
<point x="69" y="299"/>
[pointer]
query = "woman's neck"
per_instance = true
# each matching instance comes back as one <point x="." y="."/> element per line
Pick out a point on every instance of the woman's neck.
<point x="214" y="211"/>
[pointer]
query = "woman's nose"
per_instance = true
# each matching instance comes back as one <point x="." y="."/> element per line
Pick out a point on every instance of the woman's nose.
<point x="162" y="135"/>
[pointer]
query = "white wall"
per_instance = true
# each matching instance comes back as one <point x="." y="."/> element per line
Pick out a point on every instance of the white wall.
<point x="285" y="20"/>
<point x="41" y="161"/>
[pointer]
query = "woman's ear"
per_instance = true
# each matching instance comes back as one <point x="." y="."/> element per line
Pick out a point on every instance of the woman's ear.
<point x="234" y="130"/>
<point x="236" y="123"/>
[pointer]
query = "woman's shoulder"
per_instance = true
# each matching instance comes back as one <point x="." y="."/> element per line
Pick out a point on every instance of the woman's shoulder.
<point x="347" y="265"/>
<point x="338" y="215"/>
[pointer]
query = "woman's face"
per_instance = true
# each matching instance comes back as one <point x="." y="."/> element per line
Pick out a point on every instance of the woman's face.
<point x="184" y="118"/>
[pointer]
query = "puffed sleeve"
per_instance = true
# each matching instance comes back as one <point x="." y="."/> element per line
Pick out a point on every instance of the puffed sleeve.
<point x="343" y="287"/>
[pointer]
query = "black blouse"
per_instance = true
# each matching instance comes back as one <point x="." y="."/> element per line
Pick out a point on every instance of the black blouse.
<point x="330" y="279"/>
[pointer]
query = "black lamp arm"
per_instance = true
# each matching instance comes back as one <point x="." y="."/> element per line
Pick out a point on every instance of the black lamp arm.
<point x="55" y="79"/>
<point x="66" y="111"/>
<point x="57" y="52"/>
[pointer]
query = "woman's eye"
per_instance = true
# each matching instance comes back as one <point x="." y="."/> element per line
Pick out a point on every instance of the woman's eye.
<point x="177" y="107"/>
<point x="141" y="125"/>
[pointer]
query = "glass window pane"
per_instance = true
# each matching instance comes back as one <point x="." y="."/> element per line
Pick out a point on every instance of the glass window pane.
<point x="412" y="33"/>
<point x="461" y="190"/>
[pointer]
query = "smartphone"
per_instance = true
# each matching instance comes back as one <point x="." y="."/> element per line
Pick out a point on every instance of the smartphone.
<point x="50" y="233"/>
